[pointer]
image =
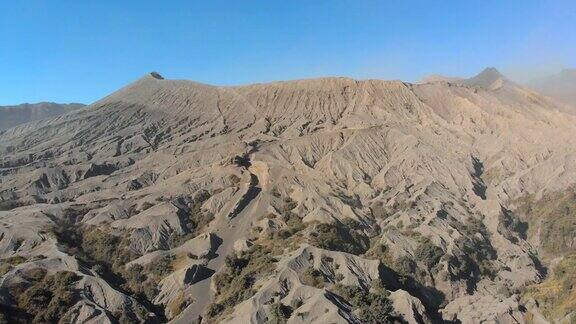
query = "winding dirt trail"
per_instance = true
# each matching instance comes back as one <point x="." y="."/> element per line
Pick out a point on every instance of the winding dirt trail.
<point x="239" y="223"/>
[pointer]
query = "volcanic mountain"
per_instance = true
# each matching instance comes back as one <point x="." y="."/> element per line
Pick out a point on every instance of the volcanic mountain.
<point x="311" y="201"/>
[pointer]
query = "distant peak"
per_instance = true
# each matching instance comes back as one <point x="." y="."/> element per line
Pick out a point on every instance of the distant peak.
<point x="490" y="73"/>
<point x="489" y="78"/>
<point x="156" y="75"/>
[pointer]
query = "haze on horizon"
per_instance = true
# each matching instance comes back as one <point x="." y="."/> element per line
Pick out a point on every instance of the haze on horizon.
<point x="66" y="51"/>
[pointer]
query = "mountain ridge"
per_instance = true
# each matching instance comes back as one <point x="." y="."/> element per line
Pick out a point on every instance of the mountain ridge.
<point x="11" y="116"/>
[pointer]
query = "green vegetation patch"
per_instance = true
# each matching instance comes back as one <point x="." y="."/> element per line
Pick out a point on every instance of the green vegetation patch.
<point x="428" y="253"/>
<point x="379" y="251"/>
<point x="192" y="217"/>
<point x="553" y="218"/>
<point x="143" y="281"/>
<point x="42" y="298"/>
<point x="556" y="296"/>
<point x="8" y="263"/>
<point x="280" y="313"/>
<point x="313" y="277"/>
<point x="474" y="259"/>
<point x="372" y="306"/>
<point x="235" y="282"/>
<point x="339" y="237"/>
<point x="289" y="237"/>
<point x="107" y="253"/>
<point x="96" y="247"/>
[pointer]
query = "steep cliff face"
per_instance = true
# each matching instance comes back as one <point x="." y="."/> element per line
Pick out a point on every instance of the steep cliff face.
<point x="325" y="200"/>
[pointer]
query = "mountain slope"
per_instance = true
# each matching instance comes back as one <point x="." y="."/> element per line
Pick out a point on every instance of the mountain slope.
<point x="324" y="200"/>
<point x="11" y="116"/>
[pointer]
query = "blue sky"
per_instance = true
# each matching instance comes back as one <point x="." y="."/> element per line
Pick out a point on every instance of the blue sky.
<point x="80" y="51"/>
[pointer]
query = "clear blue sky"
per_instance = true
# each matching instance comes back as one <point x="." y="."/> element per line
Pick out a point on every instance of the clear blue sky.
<point x="79" y="51"/>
